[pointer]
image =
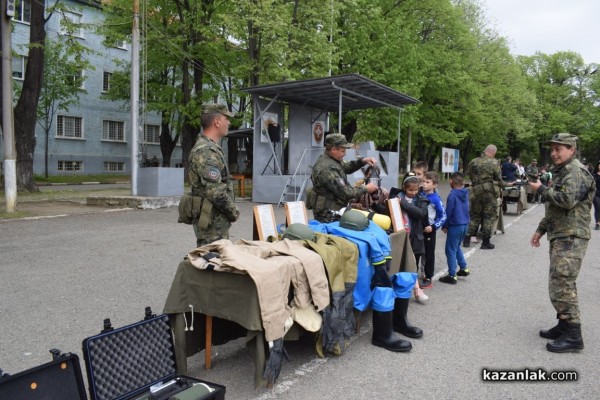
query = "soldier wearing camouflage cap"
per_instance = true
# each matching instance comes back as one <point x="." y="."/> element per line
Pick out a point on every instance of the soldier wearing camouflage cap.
<point x="567" y="225"/>
<point x="209" y="178"/>
<point x="331" y="190"/>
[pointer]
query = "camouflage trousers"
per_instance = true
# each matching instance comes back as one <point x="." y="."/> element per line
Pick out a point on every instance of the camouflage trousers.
<point x="217" y="229"/>
<point x="483" y="210"/>
<point x="566" y="256"/>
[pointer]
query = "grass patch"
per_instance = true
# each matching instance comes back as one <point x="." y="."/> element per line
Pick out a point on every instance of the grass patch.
<point x="76" y="179"/>
<point x="14" y="215"/>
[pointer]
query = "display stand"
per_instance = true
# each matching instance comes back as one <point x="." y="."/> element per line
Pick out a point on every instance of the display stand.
<point x="295" y="213"/>
<point x="396" y="214"/>
<point x="263" y="224"/>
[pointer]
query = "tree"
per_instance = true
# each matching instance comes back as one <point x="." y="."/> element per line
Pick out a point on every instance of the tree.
<point x="61" y="84"/>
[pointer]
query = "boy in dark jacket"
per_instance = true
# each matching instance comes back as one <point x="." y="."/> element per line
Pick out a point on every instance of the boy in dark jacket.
<point x="456" y="225"/>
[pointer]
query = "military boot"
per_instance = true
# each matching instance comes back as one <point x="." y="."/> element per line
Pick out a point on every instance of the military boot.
<point x="383" y="334"/>
<point x="486" y="245"/>
<point x="467" y="241"/>
<point x="570" y="340"/>
<point x="401" y="324"/>
<point x="554" y="332"/>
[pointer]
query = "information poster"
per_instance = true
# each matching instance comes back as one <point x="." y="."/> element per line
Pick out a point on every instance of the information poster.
<point x="449" y="161"/>
<point x="295" y="213"/>
<point x="264" y="219"/>
<point x="318" y="132"/>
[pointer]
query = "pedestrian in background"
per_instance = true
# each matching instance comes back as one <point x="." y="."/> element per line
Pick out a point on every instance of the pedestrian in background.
<point x="209" y="178"/>
<point x="567" y="225"/>
<point x="597" y="197"/>
<point x="486" y="182"/>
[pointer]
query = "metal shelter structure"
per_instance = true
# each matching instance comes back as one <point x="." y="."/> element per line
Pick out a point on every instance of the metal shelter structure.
<point x="309" y="101"/>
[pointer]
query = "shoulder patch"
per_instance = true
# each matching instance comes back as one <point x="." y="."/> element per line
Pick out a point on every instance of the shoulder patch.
<point x="212" y="174"/>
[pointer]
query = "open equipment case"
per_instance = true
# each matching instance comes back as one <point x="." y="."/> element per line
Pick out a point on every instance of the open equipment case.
<point x="135" y="362"/>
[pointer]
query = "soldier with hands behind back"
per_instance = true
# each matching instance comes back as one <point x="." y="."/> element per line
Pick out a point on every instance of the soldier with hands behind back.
<point x="567" y="225"/>
<point x="210" y="180"/>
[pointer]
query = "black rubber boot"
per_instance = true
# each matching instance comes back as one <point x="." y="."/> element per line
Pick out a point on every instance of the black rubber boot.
<point x="383" y="334"/>
<point x="401" y="324"/>
<point x="554" y="332"/>
<point x="486" y="245"/>
<point x="467" y="241"/>
<point x="570" y="340"/>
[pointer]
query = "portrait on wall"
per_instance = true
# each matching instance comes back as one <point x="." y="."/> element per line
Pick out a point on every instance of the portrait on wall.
<point x="318" y="133"/>
<point x="449" y="160"/>
<point x="269" y="123"/>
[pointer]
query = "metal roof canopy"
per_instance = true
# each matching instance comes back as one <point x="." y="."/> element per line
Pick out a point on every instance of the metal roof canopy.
<point x="327" y="93"/>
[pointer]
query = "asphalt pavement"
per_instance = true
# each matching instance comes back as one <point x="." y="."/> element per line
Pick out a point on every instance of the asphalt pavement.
<point x="60" y="277"/>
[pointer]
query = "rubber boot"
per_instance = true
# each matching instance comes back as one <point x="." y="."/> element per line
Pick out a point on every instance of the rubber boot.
<point x="554" y="332"/>
<point x="401" y="324"/>
<point x="467" y="241"/>
<point x="383" y="334"/>
<point x="486" y="245"/>
<point x="570" y="340"/>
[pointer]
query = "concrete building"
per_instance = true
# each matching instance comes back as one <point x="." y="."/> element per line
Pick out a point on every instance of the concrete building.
<point x="94" y="135"/>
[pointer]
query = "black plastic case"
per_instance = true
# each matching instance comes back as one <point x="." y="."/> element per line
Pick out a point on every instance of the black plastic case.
<point x="132" y="361"/>
<point x="59" y="379"/>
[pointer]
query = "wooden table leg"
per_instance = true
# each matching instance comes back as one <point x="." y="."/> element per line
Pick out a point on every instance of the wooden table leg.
<point x="208" y="342"/>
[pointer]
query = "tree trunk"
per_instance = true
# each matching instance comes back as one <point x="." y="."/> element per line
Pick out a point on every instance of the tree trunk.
<point x="26" y="108"/>
<point x="167" y="143"/>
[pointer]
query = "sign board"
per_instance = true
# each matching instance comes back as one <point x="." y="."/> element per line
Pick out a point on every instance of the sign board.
<point x="449" y="160"/>
<point x="264" y="221"/>
<point x="295" y="213"/>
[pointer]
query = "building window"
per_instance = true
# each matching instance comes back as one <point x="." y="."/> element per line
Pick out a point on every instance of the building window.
<point x="18" y="67"/>
<point x="77" y="79"/>
<point x="113" y="166"/>
<point x="23" y="11"/>
<point x="113" y="130"/>
<point x="70" y="166"/>
<point x="106" y="81"/>
<point x="152" y="133"/>
<point x="69" y="127"/>
<point x="70" y="24"/>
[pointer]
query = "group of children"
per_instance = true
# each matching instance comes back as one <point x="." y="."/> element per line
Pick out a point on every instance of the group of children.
<point x="426" y="214"/>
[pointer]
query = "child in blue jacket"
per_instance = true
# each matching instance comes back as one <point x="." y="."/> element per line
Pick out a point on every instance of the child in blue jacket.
<point x="436" y="217"/>
<point x="457" y="222"/>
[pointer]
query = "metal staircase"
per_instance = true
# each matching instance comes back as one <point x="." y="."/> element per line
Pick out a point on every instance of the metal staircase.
<point x="296" y="184"/>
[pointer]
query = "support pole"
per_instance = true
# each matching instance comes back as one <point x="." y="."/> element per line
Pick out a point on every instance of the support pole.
<point x="399" y="120"/>
<point x="135" y="94"/>
<point x="8" y="132"/>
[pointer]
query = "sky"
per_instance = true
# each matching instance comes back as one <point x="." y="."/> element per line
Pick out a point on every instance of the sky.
<point x="547" y="25"/>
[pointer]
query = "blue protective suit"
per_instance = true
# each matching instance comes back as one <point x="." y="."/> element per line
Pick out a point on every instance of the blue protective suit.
<point x="374" y="248"/>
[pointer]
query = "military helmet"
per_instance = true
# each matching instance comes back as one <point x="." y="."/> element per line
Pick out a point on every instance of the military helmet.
<point x="354" y="220"/>
<point x="298" y="231"/>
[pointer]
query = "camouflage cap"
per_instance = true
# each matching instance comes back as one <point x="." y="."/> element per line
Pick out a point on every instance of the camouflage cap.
<point x="337" y="140"/>
<point x="214" y="108"/>
<point x="533" y="160"/>
<point x="564" y="138"/>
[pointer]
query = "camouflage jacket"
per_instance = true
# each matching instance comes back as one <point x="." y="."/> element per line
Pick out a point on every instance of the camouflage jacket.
<point x="209" y="177"/>
<point x="485" y="170"/>
<point x="331" y="186"/>
<point x="568" y="202"/>
<point x="531" y="170"/>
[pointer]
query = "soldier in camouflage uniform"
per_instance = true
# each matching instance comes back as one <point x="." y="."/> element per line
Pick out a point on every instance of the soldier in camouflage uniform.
<point x="331" y="189"/>
<point x="567" y="223"/>
<point x="486" y="182"/>
<point x="209" y="178"/>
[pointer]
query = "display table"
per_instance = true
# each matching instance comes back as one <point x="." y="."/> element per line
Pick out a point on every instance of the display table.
<point x="225" y="307"/>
